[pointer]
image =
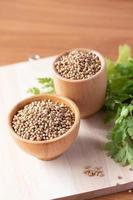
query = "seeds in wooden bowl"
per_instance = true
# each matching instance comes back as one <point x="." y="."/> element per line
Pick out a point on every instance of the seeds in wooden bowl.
<point x="78" y="64"/>
<point x="43" y="120"/>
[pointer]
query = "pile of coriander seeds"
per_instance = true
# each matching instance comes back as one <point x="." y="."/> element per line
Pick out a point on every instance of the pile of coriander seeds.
<point x="43" y="120"/>
<point x="78" y="64"/>
<point x="91" y="171"/>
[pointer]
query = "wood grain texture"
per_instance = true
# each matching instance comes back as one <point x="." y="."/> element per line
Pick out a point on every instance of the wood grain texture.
<point x="49" y="27"/>
<point x="62" y="177"/>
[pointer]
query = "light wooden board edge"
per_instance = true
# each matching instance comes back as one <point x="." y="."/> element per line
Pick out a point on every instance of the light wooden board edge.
<point x="99" y="193"/>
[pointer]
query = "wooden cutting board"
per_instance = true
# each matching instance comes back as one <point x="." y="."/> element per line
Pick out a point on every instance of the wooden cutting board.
<point x="23" y="177"/>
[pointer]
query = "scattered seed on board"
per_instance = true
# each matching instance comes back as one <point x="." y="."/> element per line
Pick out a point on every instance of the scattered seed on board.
<point x="97" y="171"/>
<point x="120" y="177"/>
<point x="43" y="120"/>
<point x="87" y="167"/>
<point x="78" y="64"/>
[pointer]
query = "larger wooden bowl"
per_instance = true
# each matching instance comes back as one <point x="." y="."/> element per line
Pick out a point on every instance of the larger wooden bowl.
<point x="88" y="94"/>
<point x="46" y="150"/>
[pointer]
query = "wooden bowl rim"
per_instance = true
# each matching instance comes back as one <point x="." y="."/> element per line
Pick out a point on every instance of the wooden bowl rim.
<point x="102" y="60"/>
<point x="28" y="100"/>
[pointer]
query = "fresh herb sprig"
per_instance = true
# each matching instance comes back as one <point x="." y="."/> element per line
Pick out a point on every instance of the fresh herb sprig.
<point x="46" y="86"/>
<point x="119" y="107"/>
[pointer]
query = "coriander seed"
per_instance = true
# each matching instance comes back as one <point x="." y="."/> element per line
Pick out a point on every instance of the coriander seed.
<point x="43" y="120"/>
<point x="78" y="64"/>
<point x="97" y="171"/>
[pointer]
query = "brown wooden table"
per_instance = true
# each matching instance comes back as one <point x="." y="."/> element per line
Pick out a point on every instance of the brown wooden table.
<point x="47" y="27"/>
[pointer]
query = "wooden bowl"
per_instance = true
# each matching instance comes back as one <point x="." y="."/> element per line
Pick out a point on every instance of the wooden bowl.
<point x="50" y="149"/>
<point x="88" y="94"/>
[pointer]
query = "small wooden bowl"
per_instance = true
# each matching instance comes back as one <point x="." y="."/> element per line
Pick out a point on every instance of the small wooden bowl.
<point x="88" y="94"/>
<point x="50" y="149"/>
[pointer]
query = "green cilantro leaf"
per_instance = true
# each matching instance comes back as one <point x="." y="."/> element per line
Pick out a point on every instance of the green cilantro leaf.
<point x="119" y="107"/>
<point x="34" y="90"/>
<point x="124" y="54"/>
<point x="46" y="86"/>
